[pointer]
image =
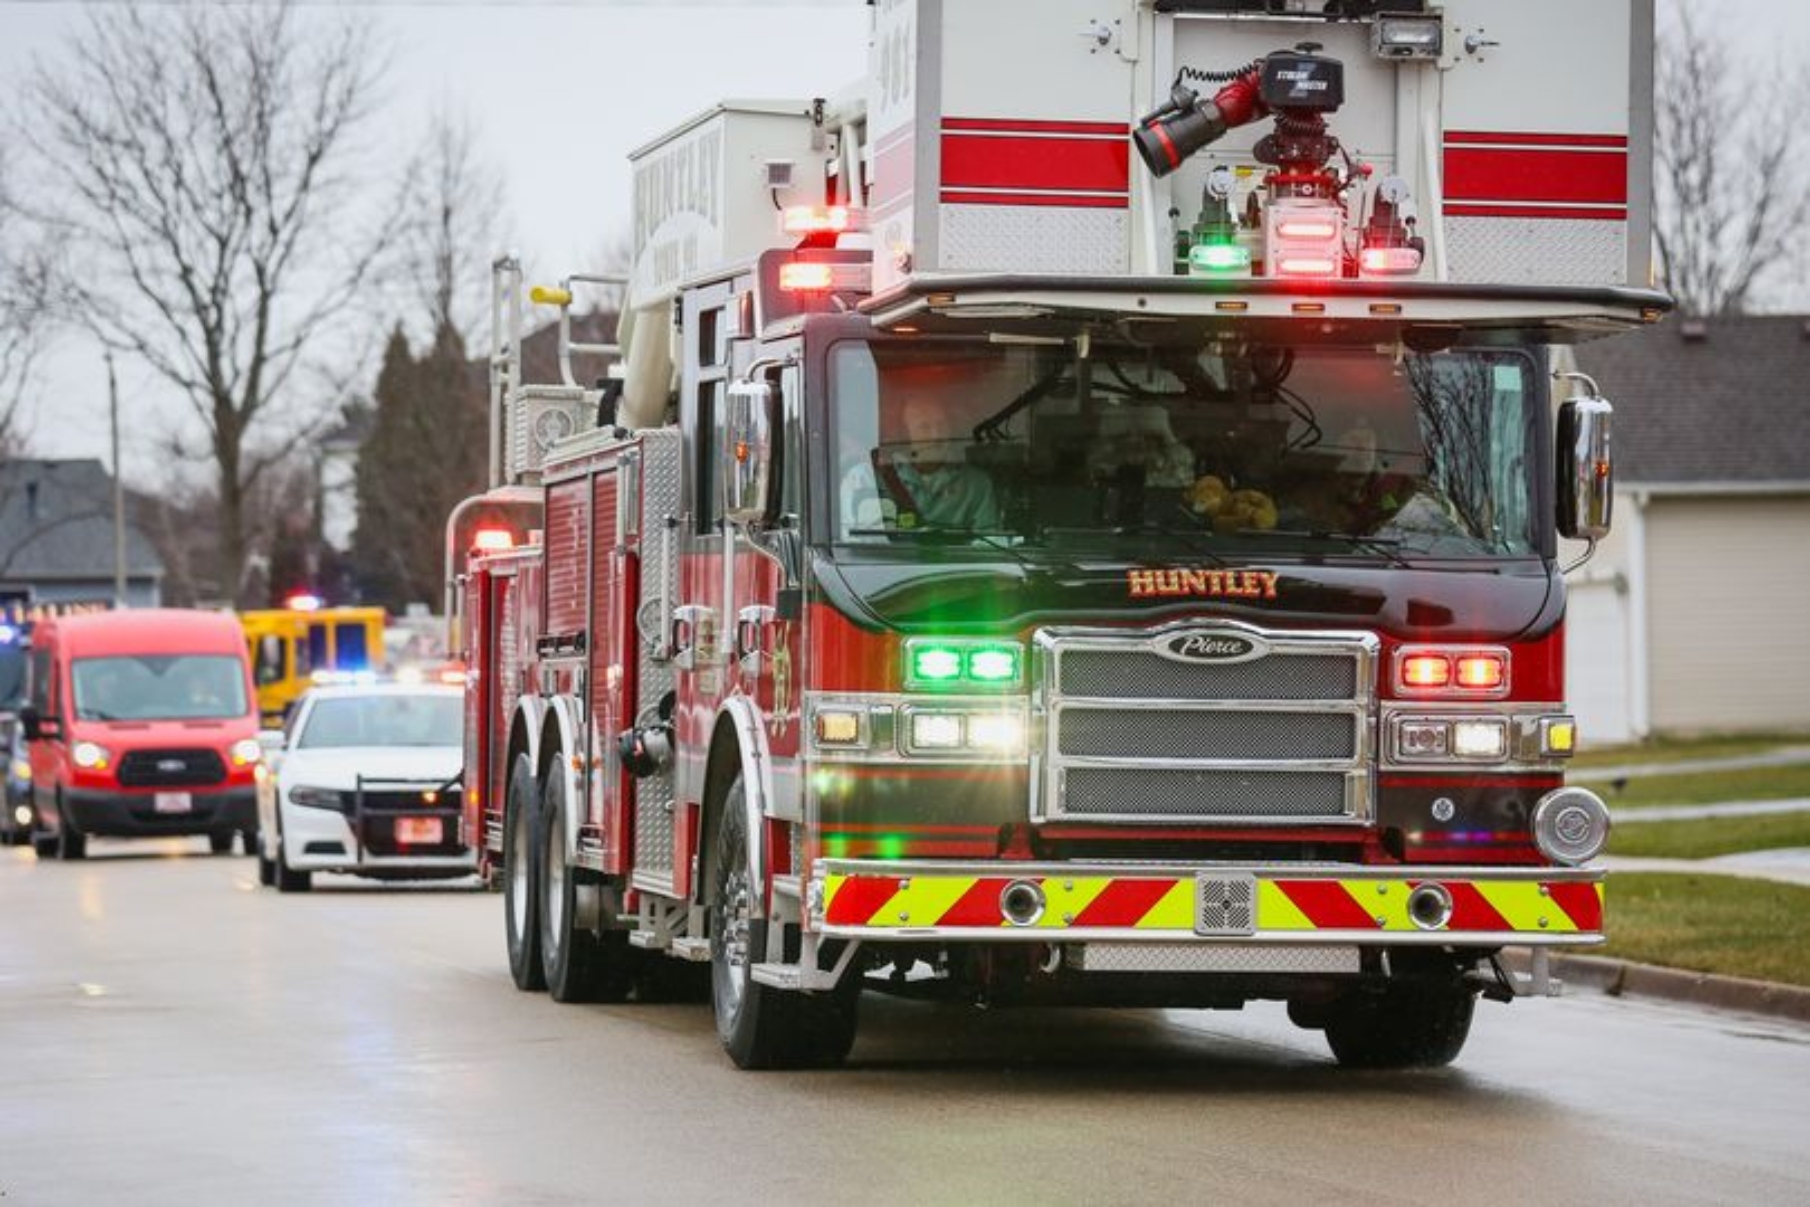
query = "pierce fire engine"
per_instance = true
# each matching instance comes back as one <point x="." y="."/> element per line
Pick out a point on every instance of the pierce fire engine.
<point x="1075" y="521"/>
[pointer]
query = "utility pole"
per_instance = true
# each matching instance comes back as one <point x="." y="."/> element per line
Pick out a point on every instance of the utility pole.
<point x="119" y="493"/>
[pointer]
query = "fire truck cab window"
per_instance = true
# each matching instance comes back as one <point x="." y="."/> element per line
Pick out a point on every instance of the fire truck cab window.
<point x="1306" y="450"/>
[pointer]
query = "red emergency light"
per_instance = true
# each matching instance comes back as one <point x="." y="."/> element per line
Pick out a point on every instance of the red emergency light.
<point x="1451" y="671"/>
<point x="822" y="219"/>
<point x="802" y="277"/>
<point x="492" y="540"/>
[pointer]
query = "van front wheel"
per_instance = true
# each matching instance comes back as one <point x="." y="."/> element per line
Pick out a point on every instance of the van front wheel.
<point x="71" y="842"/>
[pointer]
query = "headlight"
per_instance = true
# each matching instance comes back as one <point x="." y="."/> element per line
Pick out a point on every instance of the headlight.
<point x="246" y="751"/>
<point x="968" y="732"/>
<point x="1571" y="825"/>
<point x="90" y="756"/>
<point x="310" y="797"/>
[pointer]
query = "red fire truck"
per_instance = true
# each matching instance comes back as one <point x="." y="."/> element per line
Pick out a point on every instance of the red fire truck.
<point x="1076" y="520"/>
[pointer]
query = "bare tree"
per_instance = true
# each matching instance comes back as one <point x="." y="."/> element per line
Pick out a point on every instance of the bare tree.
<point x="453" y="213"/>
<point x="1731" y="200"/>
<point x="203" y="163"/>
<point x="24" y="305"/>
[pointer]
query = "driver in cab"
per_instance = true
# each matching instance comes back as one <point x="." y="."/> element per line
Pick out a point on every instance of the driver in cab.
<point x="919" y="481"/>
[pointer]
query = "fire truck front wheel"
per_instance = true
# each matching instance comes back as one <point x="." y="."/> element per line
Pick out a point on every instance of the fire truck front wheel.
<point x="762" y="1027"/>
<point x="1414" y="1024"/>
<point x="579" y="963"/>
<point x="521" y="879"/>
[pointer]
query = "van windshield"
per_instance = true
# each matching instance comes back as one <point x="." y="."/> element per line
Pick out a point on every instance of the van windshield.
<point x="159" y="687"/>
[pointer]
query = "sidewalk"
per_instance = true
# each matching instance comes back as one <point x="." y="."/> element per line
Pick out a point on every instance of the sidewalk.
<point x="1790" y="866"/>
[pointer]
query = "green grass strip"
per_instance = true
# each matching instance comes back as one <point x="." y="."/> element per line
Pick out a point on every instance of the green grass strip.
<point x="1710" y="836"/>
<point x="1706" y="787"/>
<point x="1719" y="924"/>
<point x="1666" y="750"/>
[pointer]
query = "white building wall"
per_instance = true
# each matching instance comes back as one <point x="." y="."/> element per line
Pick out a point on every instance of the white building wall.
<point x="1729" y="612"/>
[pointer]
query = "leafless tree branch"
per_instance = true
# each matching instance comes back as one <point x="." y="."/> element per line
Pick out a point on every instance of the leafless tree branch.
<point x="206" y="166"/>
<point x="1732" y="172"/>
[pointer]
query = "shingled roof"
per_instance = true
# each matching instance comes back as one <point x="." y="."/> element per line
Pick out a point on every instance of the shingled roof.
<point x="1723" y="401"/>
<point x="56" y="522"/>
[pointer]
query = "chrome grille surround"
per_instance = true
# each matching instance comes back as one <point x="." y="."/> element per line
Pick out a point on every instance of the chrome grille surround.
<point x="1130" y="731"/>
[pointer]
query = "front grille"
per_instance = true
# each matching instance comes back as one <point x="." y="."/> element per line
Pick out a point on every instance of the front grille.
<point x="1246" y="734"/>
<point x="390" y="801"/>
<point x="1142" y="674"/>
<point x="1135" y="735"/>
<point x="171" y="769"/>
<point x="1182" y="794"/>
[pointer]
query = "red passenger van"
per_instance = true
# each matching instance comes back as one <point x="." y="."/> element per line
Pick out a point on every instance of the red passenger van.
<point x="141" y="723"/>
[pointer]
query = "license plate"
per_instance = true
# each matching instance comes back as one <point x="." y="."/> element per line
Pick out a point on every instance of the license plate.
<point x="172" y="802"/>
<point x="419" y="829"/>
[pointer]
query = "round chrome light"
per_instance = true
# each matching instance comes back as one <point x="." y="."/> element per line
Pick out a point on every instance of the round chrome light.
<point x="1571" y="825"/>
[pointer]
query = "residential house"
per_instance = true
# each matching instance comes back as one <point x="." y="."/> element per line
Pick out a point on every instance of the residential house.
<point x="57" y="537"/>
<point x="1691" y="617"/>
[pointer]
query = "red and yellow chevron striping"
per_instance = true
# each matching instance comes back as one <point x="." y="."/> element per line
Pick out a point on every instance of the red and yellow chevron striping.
<point x="1146" y="904"/>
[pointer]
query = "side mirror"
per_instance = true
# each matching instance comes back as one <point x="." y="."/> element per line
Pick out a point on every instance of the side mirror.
<point x="748" y="459"/>
<point x="1586" y="473"/>
<point x="38" y="727"/>
<point x="270" y="741"/>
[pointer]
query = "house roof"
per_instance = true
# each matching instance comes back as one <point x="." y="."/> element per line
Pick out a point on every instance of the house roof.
<point x="1721" y="400"/>
<point x="56" y="523"/>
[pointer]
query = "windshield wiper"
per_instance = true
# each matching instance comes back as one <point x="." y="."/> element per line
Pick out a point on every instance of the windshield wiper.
<point x="1382" y="546"/>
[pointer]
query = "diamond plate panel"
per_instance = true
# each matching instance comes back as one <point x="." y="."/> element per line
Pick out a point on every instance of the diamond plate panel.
<point x="1537" y="251"/>
<point x="659" y="499"/>
<point x="1225" y="904"/>
<point x="1034" y="238"/>
<point x="1211" y="957"/>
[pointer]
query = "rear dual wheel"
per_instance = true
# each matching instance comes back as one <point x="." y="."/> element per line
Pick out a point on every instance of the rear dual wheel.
<point x="582" y="959"/>
<point x="521" y="881"/>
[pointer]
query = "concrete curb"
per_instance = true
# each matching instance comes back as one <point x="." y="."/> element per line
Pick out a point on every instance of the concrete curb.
<point x="1621" y="978"/>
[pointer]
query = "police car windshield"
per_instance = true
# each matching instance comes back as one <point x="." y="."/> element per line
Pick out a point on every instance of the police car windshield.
<point x="387" y="719"/>
<point x="1275" y="450"/>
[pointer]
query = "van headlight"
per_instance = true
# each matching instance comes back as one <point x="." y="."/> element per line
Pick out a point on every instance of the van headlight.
<point x="90" y="756"/>
<point x="1571" y="825"/>
<point x="247" y="751"/>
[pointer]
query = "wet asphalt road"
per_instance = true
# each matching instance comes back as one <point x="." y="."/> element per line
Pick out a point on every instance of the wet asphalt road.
<point x="173" y="1034"/>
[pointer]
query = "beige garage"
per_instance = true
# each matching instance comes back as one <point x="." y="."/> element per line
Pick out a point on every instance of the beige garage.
<point x="1695" y="615"/>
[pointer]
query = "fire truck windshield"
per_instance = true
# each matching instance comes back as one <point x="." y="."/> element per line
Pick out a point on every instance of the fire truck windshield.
<point x="1273" y="450"/>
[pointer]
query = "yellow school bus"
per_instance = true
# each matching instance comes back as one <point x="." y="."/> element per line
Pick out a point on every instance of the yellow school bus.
<point x="292" y="648"/>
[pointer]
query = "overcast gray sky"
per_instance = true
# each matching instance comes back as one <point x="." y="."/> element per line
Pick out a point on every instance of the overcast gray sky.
<point x="561" y="91"/>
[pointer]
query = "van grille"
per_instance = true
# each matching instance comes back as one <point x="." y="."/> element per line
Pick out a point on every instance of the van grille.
<point x="171" y="768"/>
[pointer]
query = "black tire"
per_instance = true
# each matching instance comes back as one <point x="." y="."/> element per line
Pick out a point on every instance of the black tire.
<point x="248" y="840"/>
<point x="521" y="878"/>
<point x="267" y="870"/>
<point x="288" y="880"/>
<point x="579" y="964"/>
<point x="762" y="1027"/>
<point x="220" y="842"/>
<point x="44" y="844"/>
<point x="1411" y="1025"/>
<point x="71" y="842"/>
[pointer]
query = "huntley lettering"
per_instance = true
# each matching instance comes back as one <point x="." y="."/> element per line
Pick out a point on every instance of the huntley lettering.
<point x="682" y="180"/>
<point x="1216" y="584"/>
